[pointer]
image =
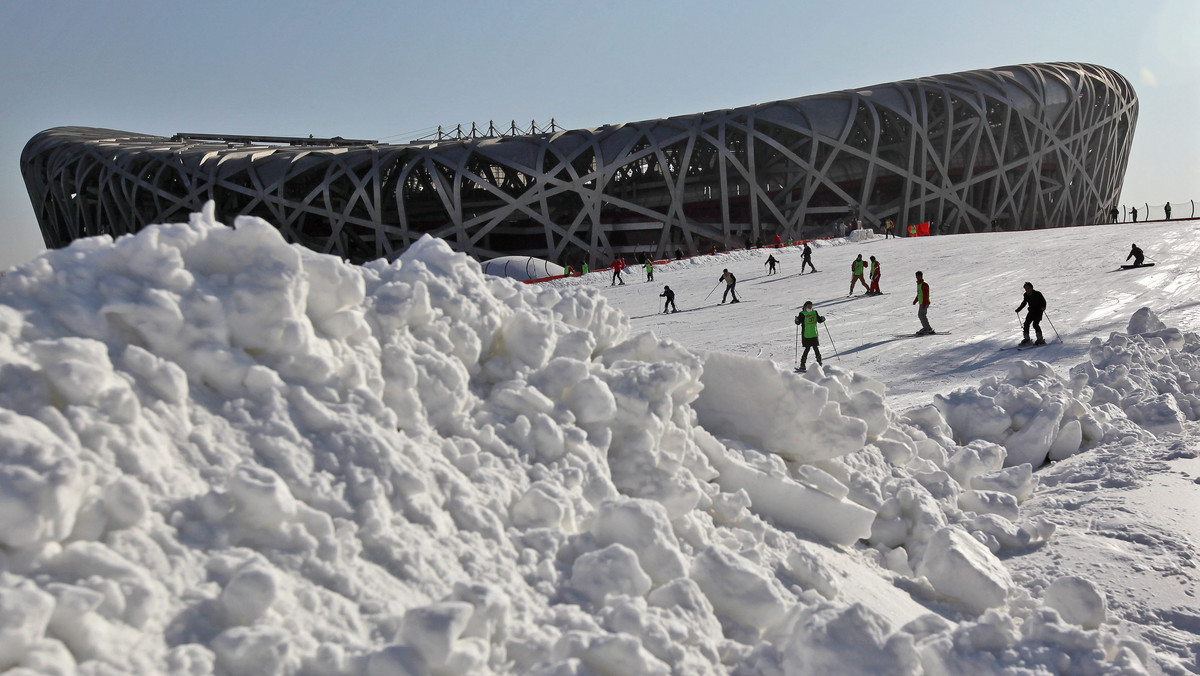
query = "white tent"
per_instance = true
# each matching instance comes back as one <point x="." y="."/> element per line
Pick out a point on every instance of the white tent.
<point x="522" y="267"/>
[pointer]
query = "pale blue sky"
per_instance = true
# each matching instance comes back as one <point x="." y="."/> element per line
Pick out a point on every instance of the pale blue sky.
<point x="392" y="70"/>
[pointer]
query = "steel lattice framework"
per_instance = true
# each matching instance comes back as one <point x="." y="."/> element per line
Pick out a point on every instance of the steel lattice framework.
<point x="1039" y="145"/>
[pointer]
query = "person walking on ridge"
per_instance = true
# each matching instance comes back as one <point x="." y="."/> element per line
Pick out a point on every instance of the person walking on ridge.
<point x="875" y="275"/>
<point x="808" y="319"/>
<point x="806" y="259"/>
<point x="1136" y="254"/>
<point x="856" y="273"/>
<point x="922" y="303"/>
<point x="771" y="263"/>
<point x="669" y="303"/>
<point x="730" y="282"/>
<point x="1037" y="307"/>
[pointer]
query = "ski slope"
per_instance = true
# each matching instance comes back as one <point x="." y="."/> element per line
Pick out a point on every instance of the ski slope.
<point x="975" y="285"/>
<point x="224" y="454"/>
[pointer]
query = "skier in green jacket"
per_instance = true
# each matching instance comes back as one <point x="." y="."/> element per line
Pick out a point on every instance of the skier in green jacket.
<point x="808" y="320"/>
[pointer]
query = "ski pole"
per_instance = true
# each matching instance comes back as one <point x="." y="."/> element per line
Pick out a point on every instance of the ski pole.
<point x="1020" y="323"/>
<point x="832" y="344"/>
<point x="713" y="289"/>
<point x="796" y="348"/>
<point x="1056" y="333"/>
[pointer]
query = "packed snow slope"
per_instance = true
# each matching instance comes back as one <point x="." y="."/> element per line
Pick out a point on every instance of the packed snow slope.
<point x="222" y="454"/>
<point x="975" y="284"/>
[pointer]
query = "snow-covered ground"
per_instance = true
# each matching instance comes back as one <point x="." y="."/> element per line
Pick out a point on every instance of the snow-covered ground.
<point x="223" y="454"/>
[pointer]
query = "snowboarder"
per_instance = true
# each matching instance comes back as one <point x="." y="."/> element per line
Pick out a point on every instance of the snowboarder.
<point x="875" y="275"/>
<point x="1136" y="254"/>
<point x="649" y="270"/>
<point x="856" y="273"/>
<point x="730" y="282"/>
<point x="617" y="266"/>
<point x="808" y="319"/>
<point x="922" y="301"/>
<point x="806" y="259"/>
<point x="771" y="263"/>
<point x="1037" y="307"/>
<point x="670" y="296"/>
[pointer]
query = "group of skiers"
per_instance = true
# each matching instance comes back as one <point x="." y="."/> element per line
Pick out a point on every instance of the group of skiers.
<point x="857" y="268"/>
<point x="805" y="261"/>
<point x="618" y="266"/>
<point x="809" y="318"/>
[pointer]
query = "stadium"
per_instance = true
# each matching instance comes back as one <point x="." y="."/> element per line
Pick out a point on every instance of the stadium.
<point x="1027" y="146"/>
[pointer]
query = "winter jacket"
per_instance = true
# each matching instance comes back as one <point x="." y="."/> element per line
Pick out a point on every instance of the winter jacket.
<point x="809" y="319"/>
<point x="922" y="294"/>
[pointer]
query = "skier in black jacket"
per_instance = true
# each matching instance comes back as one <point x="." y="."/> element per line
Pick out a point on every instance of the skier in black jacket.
<point x="1136" y="254"/>
<point x="669" y="304"/>
<point x="1037" y="307"/>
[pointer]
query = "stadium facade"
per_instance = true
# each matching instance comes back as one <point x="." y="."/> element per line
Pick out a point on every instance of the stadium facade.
<point x="1028" y="146"/>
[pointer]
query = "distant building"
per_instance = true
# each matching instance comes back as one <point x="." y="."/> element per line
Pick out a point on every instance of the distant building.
<point x="1039" y="145"/>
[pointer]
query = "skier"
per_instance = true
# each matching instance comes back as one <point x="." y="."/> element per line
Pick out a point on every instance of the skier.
<point x="856" y="273"/>
<point x="617" y="266"/>
<point x="1136" y="254"/>
<point x="649" y="270"/>
<point x="922" y="301"/>
<point x="808" y="318"/>
<point x="1037" y="307"/>
<point x="670" y="296"/>
<point x="806" y="259"/>
<point x="730" y="282"/>
<point x="771" y="263"/>
<point x="875" y="275"/>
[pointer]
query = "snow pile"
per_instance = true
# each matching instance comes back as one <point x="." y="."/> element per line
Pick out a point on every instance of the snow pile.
<point x="1134" y="386"/>
<point x="224" y="454"/>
